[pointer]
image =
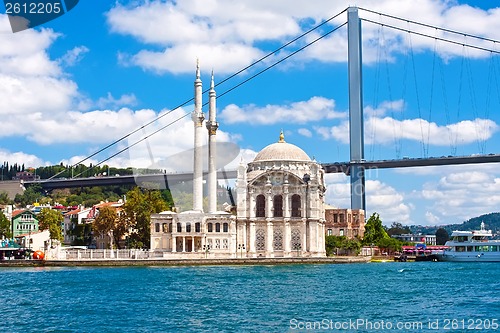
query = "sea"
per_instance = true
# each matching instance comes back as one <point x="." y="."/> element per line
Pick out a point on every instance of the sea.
<point x="367" y="297"/>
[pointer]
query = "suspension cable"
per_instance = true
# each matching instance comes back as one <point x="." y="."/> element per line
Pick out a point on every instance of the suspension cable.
<point x="222" y="94"/>
<point x="205" y="91"/>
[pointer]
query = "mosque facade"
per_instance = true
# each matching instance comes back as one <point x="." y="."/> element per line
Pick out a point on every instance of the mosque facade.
<point x="279" y="204"/>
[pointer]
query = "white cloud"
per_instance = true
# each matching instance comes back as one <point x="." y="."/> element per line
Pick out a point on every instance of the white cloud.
<point x="73" y="56"/>
<point x="431" y="218"/>
<point x="110" y="102"/>
<point x="305" y="132"/>
<point x="193" y="28"/>
<point x="462" y="195"/>
<point x="380" y="197"/>
<point x="381" y="129"/>
<point x="314" y="109"/>
<point x="20" y="158"/>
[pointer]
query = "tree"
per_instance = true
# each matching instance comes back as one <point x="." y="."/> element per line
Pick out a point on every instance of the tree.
<point x="106" y="222"/>
<point x="138" y="209"/>
<point x="389" y="245"/>
<point x="4" y="226"/>
<point x="31" y="195"/>
<point x="374" y="230"/>
<point x="398" y="229"/>
<point x="348" y="246"/>
<point x="442" y="236"/>
<point x="4" y="198"/>
<point x="49" y="219"/>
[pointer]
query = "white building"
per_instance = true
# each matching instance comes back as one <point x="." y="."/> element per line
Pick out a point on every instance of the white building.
<point x="280" y="204"/>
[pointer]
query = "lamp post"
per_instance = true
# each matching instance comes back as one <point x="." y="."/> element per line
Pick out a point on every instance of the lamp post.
<point x="29" y="244"/>
<point x="241" y="247"/>
<point x="297" y="247"/>
<point x="206" y="248"/>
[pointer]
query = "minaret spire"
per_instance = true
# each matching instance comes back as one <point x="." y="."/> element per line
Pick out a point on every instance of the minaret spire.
<point x="197" y="116"/>
<point x="212" y="126"/>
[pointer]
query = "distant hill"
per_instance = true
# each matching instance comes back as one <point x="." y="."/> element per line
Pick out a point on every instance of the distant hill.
<point x="491" y="221"/>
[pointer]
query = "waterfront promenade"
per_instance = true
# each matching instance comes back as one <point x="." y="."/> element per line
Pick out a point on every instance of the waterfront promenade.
<point x="183" y="262"/>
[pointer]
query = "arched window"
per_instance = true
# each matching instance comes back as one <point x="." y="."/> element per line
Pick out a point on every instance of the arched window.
<point x="188" y="227"/>
<point x="197" y="227"/>
<point x="261" y="206"/>
<point x="179" y="227"/>
<point x="217" y="227"/>
<point x="210" y="227"/>
<point x="157" y="227"/>
<point x="278" y="206"/>
<point x="296" y="205"/>
<point x="225" y="227"/>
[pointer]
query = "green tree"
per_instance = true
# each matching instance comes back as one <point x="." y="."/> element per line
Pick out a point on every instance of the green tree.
<point x="49" y="219"/>
<point x="137" y="211"/>
<point x="389" y="245"/>
<point x="335" y="243"/>
<point x="374" y="230"/>
<point x="4" y="226"/>
<point x="4" y="198"/>
<point x="442" y="236"/>
<point x="31" y="195"/>
<point x="398" y="229"/>
<point x="106" y="222"/>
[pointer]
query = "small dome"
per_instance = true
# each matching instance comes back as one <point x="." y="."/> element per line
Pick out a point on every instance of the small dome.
<point x="281" y="151"/>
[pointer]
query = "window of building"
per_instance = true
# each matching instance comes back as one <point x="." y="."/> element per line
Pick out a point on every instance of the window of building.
<point x="165" y="227"/>
<point x="210" y="227"/>
<point x="179" y="227"/>
<point x="157" y="227"/>
<point x="197" y="227"/>
<point x="217" y="227"/>
<point x="170" y="227"/>
<point x="188" y="227"/>
<point x="296" y="205"/>
<point x="329" y="232"/>
<point x="278" y="206"/>
<point x="225" y="227"/>
<point x="341" y="232"/>
<point x="261" y="206"/>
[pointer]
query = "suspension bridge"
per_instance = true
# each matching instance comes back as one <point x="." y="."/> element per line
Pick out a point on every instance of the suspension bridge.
<point x="357" y="164"/>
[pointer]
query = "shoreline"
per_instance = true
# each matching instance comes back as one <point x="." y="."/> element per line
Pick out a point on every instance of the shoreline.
<point x="182" y="262"/>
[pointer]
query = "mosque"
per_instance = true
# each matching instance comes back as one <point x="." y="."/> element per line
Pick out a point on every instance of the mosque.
<point x="279" y="203"/>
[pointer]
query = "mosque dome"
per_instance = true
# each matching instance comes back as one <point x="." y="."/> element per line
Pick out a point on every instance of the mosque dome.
<point x="281" y="151"/>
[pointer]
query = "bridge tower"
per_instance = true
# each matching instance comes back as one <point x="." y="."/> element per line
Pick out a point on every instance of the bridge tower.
<point x="356" y="128"/>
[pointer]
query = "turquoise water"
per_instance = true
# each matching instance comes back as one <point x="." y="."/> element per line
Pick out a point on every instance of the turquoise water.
<point x="377" y="297"/>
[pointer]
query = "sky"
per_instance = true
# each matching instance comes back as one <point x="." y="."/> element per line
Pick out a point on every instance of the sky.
<point x="104" y="69"/>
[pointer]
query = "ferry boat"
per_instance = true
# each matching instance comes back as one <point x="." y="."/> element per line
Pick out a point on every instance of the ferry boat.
<point x="474" y="245"/>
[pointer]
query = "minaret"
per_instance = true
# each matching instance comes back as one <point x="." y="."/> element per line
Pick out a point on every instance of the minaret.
<point x="198" y="118"/>
<point x="212" y="126"/>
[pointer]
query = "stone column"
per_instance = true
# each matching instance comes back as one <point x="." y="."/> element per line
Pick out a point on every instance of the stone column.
<point x="192" y="243"/>
<point x="287" y="238"/>
<point x="269" y="240"/>
<point x="183" y="243"/>
<point x="251" y="241"/>
<point x="174" y="244"/>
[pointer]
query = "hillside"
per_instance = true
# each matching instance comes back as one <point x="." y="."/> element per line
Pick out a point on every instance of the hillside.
<point x="491" y="221"/>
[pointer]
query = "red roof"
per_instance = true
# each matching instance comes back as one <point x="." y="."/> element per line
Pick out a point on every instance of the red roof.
<point x="18" y="212"/>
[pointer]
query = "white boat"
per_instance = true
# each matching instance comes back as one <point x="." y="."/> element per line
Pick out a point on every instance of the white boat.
<point x="474" y="245"/>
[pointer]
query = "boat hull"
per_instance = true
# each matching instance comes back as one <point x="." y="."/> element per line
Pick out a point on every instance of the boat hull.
<point x="469" y="257"/>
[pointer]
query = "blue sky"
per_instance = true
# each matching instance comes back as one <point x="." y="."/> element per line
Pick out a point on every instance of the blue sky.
<point x="85" y="79"/>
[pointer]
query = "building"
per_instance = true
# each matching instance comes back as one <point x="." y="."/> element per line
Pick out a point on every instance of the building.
<point x="417" y="238"/>
<point x="280" y="207"/>
<point x="24" y="221"/>
<point x="280" y="204"/>
<point x="26" y="175"/>
<point x="344" y="222"/>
